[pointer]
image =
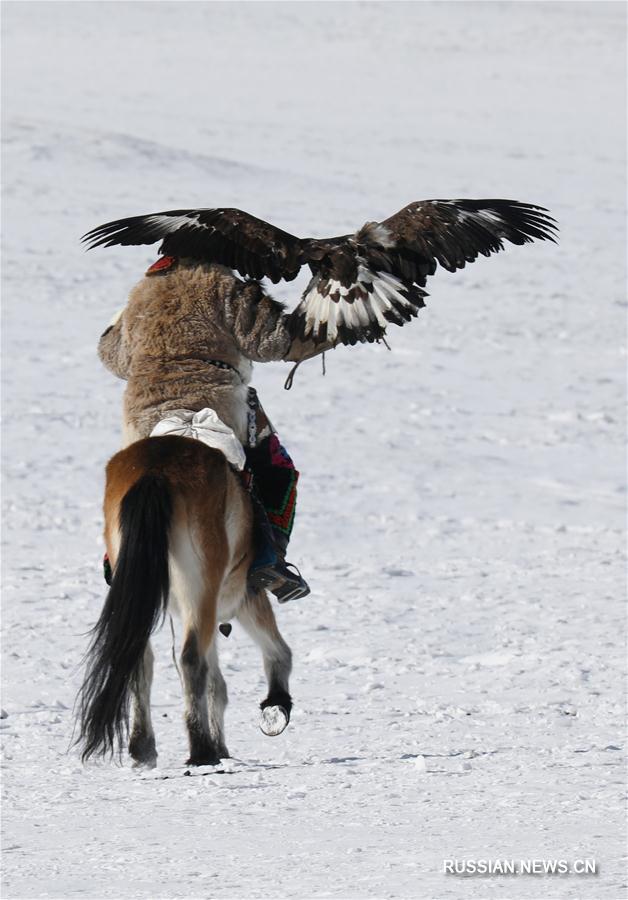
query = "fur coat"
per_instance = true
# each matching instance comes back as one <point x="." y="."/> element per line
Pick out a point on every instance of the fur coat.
<point x="175" y="322"/>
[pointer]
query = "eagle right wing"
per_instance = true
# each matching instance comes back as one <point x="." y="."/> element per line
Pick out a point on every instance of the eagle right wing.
<point x="376" y="276"/>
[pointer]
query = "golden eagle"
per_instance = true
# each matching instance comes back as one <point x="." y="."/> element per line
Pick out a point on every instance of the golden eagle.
<point x="361" y="282"/>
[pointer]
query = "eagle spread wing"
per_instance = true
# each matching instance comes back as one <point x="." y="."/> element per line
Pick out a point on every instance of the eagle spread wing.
<point x="230" y="237"/>
<point x="377" y="275"/>
<point x="361" y="282"/>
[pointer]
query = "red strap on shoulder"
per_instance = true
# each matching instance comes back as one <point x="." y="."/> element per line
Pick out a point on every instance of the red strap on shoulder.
<point x="162" y="266"/>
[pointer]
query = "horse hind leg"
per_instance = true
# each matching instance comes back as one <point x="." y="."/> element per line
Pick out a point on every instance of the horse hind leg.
<point x="258" y="620"/>
<point x="196" y="566"/>
<point x="205" y="697"/>
<point x="142" y="740"/>
<point x="217" y="700"/>
<point x="194" y="669"/>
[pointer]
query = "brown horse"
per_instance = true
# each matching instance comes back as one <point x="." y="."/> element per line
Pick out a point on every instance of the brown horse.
<point x="178" y="531"/>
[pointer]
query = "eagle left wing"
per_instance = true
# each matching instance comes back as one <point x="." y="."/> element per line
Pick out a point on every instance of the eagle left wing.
<point x="365" y="281"/>
<point x="231" y="237"/>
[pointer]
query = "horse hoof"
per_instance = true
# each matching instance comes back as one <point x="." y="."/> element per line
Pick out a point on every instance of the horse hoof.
<point x="149" y="763"/>
<point x="203" y="761"/>
<point x="273" y="720"/>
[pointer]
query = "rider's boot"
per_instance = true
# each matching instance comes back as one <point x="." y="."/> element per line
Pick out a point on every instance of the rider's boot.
<point x="294" y="584"/>
<point x="269" y="569"/>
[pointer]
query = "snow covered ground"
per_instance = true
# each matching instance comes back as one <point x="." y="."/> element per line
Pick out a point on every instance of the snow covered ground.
<point x="459" y="666"/>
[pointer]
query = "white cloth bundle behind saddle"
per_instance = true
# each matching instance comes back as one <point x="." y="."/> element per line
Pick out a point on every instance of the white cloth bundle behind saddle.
<point x="204" y="426"/>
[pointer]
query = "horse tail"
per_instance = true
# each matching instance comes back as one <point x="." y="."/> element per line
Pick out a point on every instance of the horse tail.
<point x="136" y="601"/>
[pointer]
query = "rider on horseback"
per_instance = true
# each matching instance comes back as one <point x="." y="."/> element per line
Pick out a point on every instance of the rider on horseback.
<point x="186" y="341"/>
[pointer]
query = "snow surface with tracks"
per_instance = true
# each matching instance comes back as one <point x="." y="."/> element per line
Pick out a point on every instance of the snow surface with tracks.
<point x="459" y="666"/>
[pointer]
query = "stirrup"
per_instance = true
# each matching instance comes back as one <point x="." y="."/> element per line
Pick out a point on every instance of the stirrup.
<point x="280" y="580"/>
<point x="292" y="589"/>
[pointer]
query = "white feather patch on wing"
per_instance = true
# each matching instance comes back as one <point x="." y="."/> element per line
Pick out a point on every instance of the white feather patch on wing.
<point x="172" y="223"/>
<point x="480" y="216"/>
